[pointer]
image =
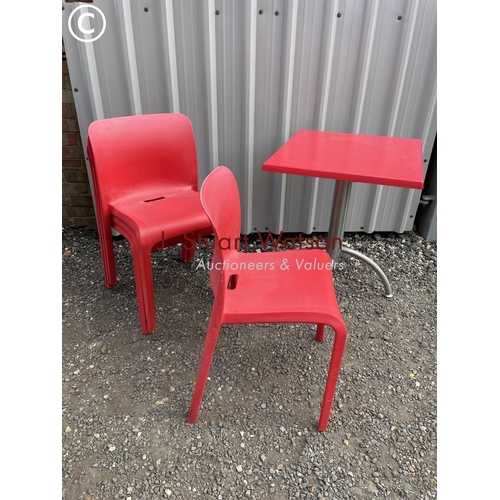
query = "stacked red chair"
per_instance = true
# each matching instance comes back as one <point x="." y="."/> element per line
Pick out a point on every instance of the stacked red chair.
<point x="145" y="180"/>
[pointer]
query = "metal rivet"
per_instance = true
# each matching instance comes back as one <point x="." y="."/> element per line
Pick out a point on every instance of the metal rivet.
<point x="267" y="229"/>
<point x="75" y="89"/>
<point x="255" y="229"/>
<point x="217" y="12"/>
<point x="425" y="161"/>
<point x="362" y="227"/>
<point x="411" y="216"/>
<point x="63" y="7"/>
<point x="314" y="227"/>
<point x="146" y="9"/>
<point x="261" y="12"/>
<point x="276" y="13"/>
<point x="400" y="17"/>
<point x="339" y="15"/>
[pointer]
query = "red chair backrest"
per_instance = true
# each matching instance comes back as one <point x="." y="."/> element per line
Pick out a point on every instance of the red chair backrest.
<point x="221" y="201"/>
<point x="137" y="151"/>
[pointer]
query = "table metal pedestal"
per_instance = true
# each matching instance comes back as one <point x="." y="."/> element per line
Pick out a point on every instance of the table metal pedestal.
<point x="336" y="233"/>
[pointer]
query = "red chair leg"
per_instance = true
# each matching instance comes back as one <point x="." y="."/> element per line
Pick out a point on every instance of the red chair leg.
<point x="206" y="361"/>
<point x="108" y="258"/>
<point x="144" y="289"/>
<point x="333" y="375"/>
<point x="188" y="251"/>
<point x="184" y="253"/>
<point x="320" y="333"/>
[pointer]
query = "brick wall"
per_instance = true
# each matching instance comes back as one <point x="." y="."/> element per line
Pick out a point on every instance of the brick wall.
<point x="77" y="207"/>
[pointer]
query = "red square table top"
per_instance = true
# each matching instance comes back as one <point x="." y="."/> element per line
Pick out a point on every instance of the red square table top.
<point x="390" y="161"/>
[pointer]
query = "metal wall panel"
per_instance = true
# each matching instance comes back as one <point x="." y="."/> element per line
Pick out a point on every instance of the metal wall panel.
<point x="250" y="73"/>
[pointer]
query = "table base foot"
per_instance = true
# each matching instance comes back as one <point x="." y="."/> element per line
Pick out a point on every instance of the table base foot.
<point x="375" y="267"/>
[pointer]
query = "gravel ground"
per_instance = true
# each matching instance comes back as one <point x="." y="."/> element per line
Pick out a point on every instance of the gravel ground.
<point x="125" y="395"/>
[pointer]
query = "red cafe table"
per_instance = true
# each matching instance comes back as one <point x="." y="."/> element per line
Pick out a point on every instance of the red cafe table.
<point x="348" y="158"/>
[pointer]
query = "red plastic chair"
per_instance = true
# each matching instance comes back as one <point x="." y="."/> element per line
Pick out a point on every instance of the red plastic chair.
<point x="258" y="287"/>
<point x="145" y="178"/>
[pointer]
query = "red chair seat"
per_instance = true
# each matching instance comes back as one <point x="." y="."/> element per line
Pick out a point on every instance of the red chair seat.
<point x="148" y="218"/>
<point x="263" y="296"/>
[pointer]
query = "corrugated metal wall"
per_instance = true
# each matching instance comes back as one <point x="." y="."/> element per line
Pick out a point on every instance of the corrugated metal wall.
<point x="250" y="73"/>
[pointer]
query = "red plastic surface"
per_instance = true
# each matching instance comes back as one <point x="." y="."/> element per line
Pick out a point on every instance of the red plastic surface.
<point x="292" y="286"/>
<point x="390" y="161"/>
<point x="145" y="179"/>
